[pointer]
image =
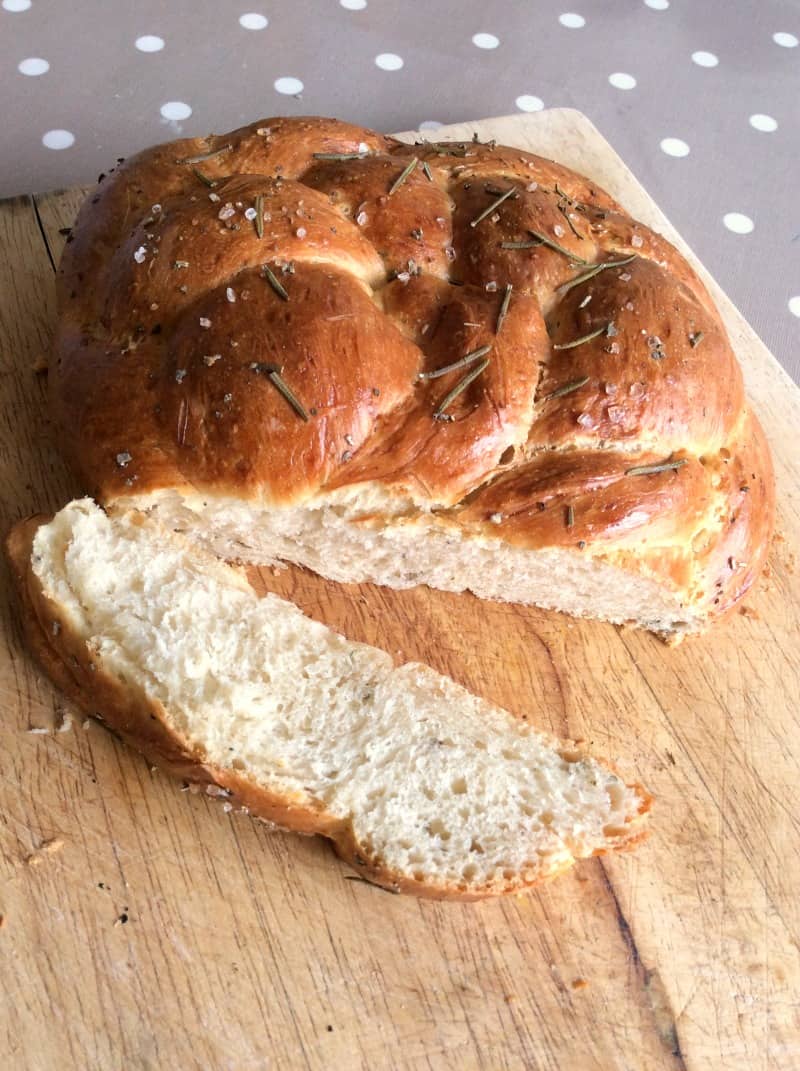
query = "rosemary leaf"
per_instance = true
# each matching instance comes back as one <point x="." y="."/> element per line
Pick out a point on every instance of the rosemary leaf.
<point x="259" y="218"/>
<point x="584" y="338"/>
<point x="273" y="374"/>
<point x="568" y="388"/>
<point x="495" y="204"/>
<point x="462" y="362"/>
<point x="273" y="281"/>
<point x="451" y="395"/>
<point x="696" y="338"/>
<point x="520" y="245"/>
<point x="662" y="466"/>
<point x="211" y="183"/>
<point x="595" y="270"/>
<point x="503" y="308"/>
<point x="203" y="156"/>
<point x="544" y="240"/>
<point x="401" y="178"/>
<point x="426" y="171"/>
<point x="569" y="516"/>
<point x="339" y="155"/>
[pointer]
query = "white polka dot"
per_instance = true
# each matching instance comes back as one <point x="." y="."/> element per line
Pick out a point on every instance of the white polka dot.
<point x="704" y="59"/>
<point x="354" y="5"/>
<point x="528" y="103"/>
<point x="794" y="305"/>
<point x="430" y="124"/>
<point x="175" y="109"/>
<point x="657" y="5"/>
<point x="58" y="139"/>
<point x="738" y="223"/>
<point x="571" y="20"/>
<point x="388" y="61"/>
<point x="33" y="66"/>
<point x="620" y="80"/>
<point x="785" y="40"/>
<point x="253" y="21"/>
<point x="674" y="147"/>
<point x="149" y="43"/>
<point x="290" y="87"/>
<point x="485" y="40"/>
<point x="765" y="123"/>
<point x="16" y="5"/>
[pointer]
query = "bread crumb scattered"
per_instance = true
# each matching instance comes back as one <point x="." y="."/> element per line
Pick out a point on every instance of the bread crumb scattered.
<point x="748" y="611"/>
<point x="579" y="983"/>
<point x="47" y="847"/>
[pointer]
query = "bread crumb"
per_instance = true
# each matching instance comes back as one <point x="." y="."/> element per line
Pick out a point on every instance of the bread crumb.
<point x="748" y="611"/>
<point x="40" y="365"/>
<point x="579" y="983"/>
<point x="47" y="847"/>
<point x="65" y="724"/>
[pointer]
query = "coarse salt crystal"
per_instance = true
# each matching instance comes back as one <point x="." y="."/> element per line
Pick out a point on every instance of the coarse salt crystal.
<point x="629" y="306"/>
<point x="615" y="414"/>
<point x="610" y="389"/>
<point x="180" y="375"/>
<point x="495" y="217"/>
<point x="250" y="213"/>
<point x="213" y="197"/>
<point x="205" y="322"/>
<point x="124" y="459"/>
<point x="586" y="420"/>
<point x="559" y="231"/>
<point x="613" y="348"/>
<point x="491" y="287"/>
<point x="625" y="277"/>
<point x="403" y="276"/>
<point x="637" y="241"/>
<point x="226" y="211"/>
<point x="636" y="390"/>
<point x="212" y="358"/>
<point x="450" y="253"/>
<point x="155" y="210"/>
<point x="361" y="218"/>
<point x="301" y="232"/>
<point x="496" y="518"/>
<point x="230" y="294"/>
<point x="532" y="186"/>
<point x="363" y="147"/>
<point x="585" y="301"/>
<point x="140" y="254"/>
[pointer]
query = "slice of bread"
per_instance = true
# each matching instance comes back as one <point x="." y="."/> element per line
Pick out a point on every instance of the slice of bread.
<point x="422" y="786"/>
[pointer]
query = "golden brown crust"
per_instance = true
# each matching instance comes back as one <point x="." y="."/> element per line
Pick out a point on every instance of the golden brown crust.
<point x="142" y="723"/>
<point x="168" y="322"/>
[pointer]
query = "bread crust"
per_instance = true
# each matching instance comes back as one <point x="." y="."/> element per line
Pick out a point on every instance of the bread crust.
<point x="142" y="723"/>
<point x="167" y="321"/>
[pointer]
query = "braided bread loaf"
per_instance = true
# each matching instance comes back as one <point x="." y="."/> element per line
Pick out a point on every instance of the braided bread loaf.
<point x="453" y="364"/>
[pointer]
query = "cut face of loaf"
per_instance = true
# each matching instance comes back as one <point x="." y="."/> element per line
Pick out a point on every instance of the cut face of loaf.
<point x="421" y="785"/>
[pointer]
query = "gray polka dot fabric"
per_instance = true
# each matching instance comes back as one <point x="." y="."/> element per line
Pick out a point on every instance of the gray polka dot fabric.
<point x="702" y="100"/>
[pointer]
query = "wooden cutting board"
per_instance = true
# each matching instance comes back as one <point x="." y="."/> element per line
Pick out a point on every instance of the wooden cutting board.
<point x="144" y="927"/>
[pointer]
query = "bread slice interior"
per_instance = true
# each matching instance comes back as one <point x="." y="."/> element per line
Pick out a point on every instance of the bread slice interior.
<point x="422" y="785"/>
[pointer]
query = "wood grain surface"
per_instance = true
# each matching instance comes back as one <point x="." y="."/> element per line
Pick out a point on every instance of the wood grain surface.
<point x="144" y="927"/>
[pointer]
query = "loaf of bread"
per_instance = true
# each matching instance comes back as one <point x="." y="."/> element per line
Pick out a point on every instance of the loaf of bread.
<point x="453" y="364"/>
<point x="423" y="787"/>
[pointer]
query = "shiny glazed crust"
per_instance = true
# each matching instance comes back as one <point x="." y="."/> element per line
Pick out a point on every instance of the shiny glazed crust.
<point x="170" y="327"/>
<point x="142" y="723"/>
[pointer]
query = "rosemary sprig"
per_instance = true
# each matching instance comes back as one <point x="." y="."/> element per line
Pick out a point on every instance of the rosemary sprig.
<point x="449" y="148"/>
<point x="495" y="204"/>
<point x="259" y="220"/>
<point x="274" y="282"/>
<point x="449" y="398"/>
<point x="696" y="338"/>
<point x="211" y="183"/>
<point x="273" y="374"/>
<point x="595" y="270"/>
<point x="544" y="240"/>
<point x="401" y="178"/>
<point x="203" y="156"/>
<point x="503" y="308"/>
<point x="584" y="338"/>
<point x="569" y="516"/>
<point x="662" y="466"/>
<point x="426" y="171"/>
<point x="339" y="155"/>
<point x="520" y="245"/>
<point x="462" y="362"/>
<point x="568" y="388"/>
